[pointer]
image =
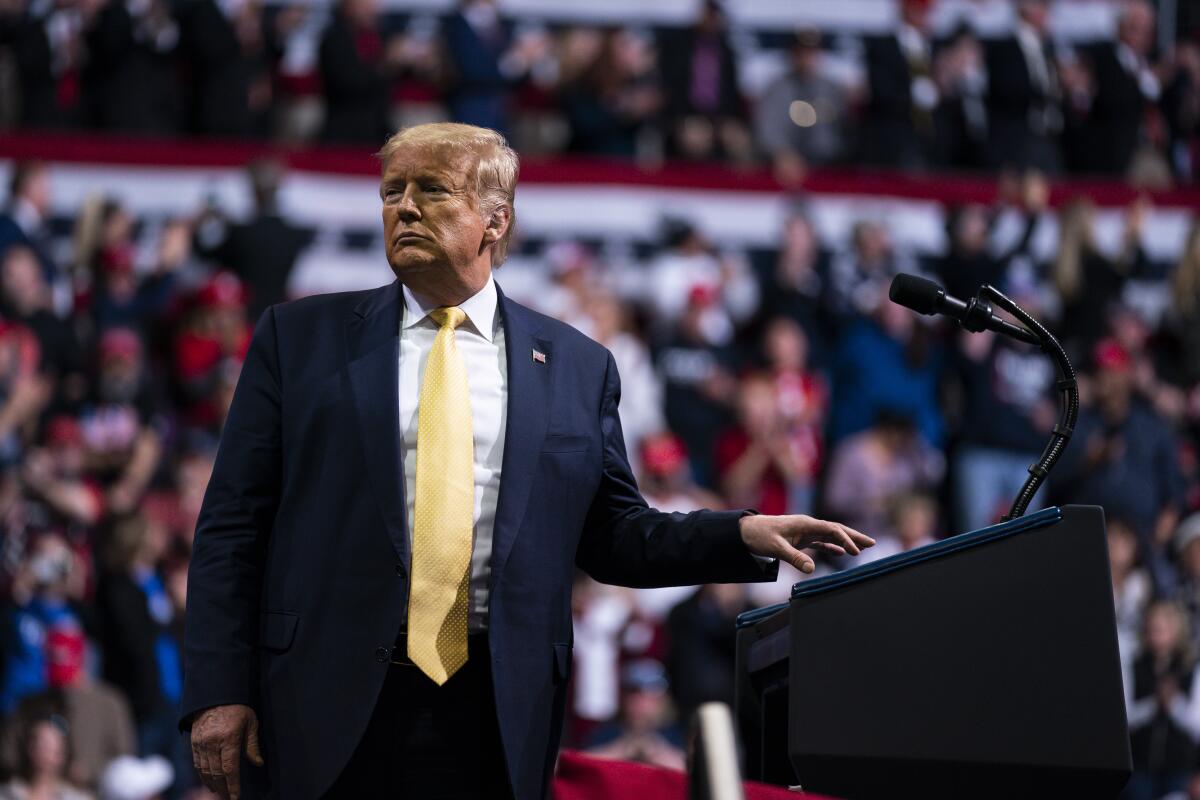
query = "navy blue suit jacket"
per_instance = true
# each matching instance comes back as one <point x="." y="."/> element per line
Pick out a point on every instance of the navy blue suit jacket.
<point x="299" y="580"/>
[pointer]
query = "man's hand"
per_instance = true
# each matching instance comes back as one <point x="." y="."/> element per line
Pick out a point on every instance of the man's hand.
<point x="218" y="737"/>
<point x="782" y="537"/>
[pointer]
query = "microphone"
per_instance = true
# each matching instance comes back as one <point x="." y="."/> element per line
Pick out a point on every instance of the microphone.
<point x="926" y="297"/>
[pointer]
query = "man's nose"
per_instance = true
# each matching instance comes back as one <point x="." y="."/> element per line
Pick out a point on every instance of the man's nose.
<point x="407" y="207"/>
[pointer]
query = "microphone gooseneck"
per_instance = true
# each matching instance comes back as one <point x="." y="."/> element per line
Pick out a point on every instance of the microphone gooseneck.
<point x="926" y="297"/>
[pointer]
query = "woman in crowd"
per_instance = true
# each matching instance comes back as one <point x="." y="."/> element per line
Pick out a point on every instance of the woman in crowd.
<point x="44" y="760"/>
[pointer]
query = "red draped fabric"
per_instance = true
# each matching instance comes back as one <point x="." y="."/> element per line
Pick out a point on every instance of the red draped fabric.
<point x="582" y="777"/>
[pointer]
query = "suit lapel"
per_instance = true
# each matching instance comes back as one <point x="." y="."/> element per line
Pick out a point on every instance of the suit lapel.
<point x="528" y="405"/>
<point x="372" y="349"/>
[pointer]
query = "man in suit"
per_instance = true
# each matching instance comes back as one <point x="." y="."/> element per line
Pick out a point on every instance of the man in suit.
<point x="407" y="480"/>
<point x="1125" y="83"/>
<point x="1024" y="98"/>
<point x="903" y="94"/>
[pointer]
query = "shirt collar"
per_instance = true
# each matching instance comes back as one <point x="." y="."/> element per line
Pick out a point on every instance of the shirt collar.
<point x="480" y="308"/>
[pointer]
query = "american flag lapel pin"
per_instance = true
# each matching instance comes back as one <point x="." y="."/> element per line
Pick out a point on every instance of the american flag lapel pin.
<point x="539" y="356"/>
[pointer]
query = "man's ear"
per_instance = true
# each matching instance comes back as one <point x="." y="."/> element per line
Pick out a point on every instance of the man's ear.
<point x="497" y="225"/>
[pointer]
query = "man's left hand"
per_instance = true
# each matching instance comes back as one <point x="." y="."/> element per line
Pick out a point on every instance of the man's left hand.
<point x="783" y="537"/>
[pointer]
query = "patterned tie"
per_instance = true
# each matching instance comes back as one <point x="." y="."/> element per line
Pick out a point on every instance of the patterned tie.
<point x="443" y="514"/>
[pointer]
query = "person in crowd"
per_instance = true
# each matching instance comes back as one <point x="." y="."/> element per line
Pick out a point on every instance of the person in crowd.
<point x="210" y="344"/>
<point x="802" y="396"/>
<point x="704" y="111"/>
<point x="99" y="723"/>
<point x="56" y="483"/>
<point x="231" y="52"/>
<point x="801" y="117"/>
<point x="142" y="654"/>
<point x="641" y="388"/>
<point x="486" y="62"/>
<point x="1183" y="315"/>
<point x="795" y="281"/>
<point x="1132" y="589"/>
<point x="889" y="360"/>
<point x="913" y="519"/>
<point x="871" y="469"/>
<point x="961" y="118"/>
<point x="1186" y="545"/>
<point x="1181" y="109"/>
<point x="26" y="299"/>
<point x="356" y="64"/>
<point x="24" y="392"/>
<point x="43" y="609"/>
<point x="1124" y="82"/>
<point x="129" y="80"/>
<point x="124" y="298"/>
<point x="903" y="95"/>
<point x="1024" y="95"/>
<point x="859" y="276"/>
<point x="688" y="262"/>
<point x="763" y="462"/>
<point x="666" y="479"/>
<point x="263" y="249"/>
<point x="25" y="220"/>
<point x="698" y="382"/>
<point x="1125" y="458"/>
<point x="44" y="756"/>
<point x="703" y="637"/>
<point x="48" y="54"/>
<point x="968" y="263"/>
<point x="641" y="733"/>
<point x="1088" y="282"/>
<point x="120" y="424"/>
<point x="609" y="90"/>
<point x="1009" y="411"/>
<point x="1163" y="721"/>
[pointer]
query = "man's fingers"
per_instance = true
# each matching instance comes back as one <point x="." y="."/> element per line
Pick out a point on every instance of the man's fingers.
<point x="831" y="548"/>
<point x="800" y="560"/>
<point x="198" y="763"/>
<point x="838" y="535"/>
<point x="252" y="750"/>
<point x="215" y="769"/>
<point x="229" y="767"/>
<point x="204" y="768"/>
<point x="861" y="539"/>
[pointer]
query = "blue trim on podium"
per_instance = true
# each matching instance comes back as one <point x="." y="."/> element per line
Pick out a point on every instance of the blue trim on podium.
<point x="954" y="544"/>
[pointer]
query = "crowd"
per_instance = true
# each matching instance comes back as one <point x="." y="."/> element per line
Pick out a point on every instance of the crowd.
<point x="780" y="379"/>
<point x="777" y="378"/>
<point x="348" y="74"/>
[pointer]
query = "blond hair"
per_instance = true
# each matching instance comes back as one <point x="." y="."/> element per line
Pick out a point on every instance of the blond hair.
<point x="496" y="167"/>
<point x="1185" y="284"/>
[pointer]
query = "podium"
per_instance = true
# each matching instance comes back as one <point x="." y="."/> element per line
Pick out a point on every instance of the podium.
<point x="983" y="665"/>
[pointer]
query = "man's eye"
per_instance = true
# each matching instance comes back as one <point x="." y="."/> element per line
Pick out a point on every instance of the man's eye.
<point x="433" y="187"/>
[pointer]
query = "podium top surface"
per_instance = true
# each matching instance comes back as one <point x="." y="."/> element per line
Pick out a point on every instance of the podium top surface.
<point x="944" y="547"/>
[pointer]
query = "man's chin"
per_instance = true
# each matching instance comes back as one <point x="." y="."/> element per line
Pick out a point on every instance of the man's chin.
<point x="410" y="260"/>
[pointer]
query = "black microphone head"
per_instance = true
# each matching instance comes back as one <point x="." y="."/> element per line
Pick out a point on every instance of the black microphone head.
<point x="917" y="293"/>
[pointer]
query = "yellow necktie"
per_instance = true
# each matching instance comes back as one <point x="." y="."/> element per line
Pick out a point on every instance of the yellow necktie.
<point x="444" y="509"/>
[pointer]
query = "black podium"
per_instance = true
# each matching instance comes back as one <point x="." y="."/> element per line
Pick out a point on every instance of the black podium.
<point x="984" y="665"/>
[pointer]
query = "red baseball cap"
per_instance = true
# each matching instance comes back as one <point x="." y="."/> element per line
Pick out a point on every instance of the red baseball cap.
<point x="1111" y="354"/>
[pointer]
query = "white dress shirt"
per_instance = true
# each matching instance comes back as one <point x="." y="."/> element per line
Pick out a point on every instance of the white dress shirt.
<point x="480" y="341"/>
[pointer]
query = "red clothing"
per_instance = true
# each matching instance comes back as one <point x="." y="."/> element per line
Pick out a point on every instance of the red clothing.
<point x="772" y="494"/>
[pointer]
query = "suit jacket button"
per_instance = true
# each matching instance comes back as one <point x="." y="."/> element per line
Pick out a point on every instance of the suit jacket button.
<point x="400" y="570"/>
<point x="382" y="653"/>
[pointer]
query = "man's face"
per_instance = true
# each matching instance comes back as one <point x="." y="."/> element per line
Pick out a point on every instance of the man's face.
<point x="432" y="228"/>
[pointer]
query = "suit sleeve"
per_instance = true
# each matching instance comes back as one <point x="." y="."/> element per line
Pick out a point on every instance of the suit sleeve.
<point x="626" y="542"/>
<point x="225" y="575"/>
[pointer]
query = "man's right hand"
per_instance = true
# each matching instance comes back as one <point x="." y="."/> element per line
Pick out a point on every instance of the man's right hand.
<point x="219" y="735"/>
